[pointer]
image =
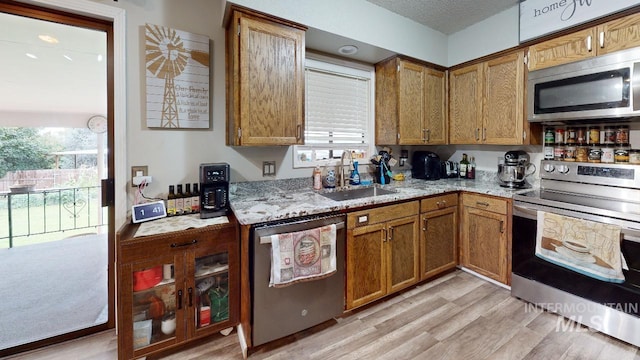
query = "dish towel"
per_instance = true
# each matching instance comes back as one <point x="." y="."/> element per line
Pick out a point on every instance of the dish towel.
<point x="303" y="256"/>
<point x="587" y="247"/>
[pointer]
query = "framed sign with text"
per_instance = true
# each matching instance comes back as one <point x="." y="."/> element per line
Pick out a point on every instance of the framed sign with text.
<point x="541" y="17"/>
<point x="177" y="75"/>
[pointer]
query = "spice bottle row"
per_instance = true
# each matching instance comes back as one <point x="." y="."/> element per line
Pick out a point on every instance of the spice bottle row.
<point x="596" y="144"/>
<point x="607" y="135"/>
<point x="183" y="203"/>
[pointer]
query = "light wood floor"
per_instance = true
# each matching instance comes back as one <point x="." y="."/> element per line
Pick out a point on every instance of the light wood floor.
<point x="455" y="317"/>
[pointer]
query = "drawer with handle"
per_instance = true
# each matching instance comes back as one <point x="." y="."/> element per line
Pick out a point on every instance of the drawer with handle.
<point x="485" y="203"/>
<point x="438" y="202"/>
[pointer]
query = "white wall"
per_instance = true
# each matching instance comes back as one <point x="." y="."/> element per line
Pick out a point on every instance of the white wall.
<point x="494" y="34"/>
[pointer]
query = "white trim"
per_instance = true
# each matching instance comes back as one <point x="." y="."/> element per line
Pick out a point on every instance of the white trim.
<point x="117" y="15"/>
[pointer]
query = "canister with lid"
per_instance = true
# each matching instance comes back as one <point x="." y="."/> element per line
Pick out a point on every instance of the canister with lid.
<point x="634" y="156"/>
<point x="559" y="136"/>
<point x="622" y="134"/>
<point x="595" y="153"/>
<point x="582" y="153"/>
<point x="558" y="152"/>
<point x="594" y="135"/>
<point x="570" y="152"/>
<point x="549" y="141"/>
<point x="607" y="153"/>
<point x="621" y="154"/>
<point x="570" y="135"/>
<point x="581" y="135"/>
<point x="609" y="135"/>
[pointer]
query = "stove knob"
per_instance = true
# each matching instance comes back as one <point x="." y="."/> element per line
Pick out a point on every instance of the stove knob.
<point x="563" y="169"/>
<point x="549" y="168"/>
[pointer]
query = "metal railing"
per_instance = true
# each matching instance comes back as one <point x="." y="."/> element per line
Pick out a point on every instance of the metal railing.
<point x="39" y="212"/>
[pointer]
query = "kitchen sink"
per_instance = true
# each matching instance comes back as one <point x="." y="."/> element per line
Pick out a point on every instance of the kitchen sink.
<point x="356" y="193"/>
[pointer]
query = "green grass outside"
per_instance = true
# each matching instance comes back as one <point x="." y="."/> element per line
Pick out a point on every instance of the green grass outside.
<point x="29" y="224"/>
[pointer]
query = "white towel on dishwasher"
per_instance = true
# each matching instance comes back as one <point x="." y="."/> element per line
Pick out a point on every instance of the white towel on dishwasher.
<point x="303" y="256"/>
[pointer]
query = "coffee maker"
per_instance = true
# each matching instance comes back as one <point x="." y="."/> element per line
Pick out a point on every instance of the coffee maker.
<point x="514" y="169"/>
<point x="214" y="190"/>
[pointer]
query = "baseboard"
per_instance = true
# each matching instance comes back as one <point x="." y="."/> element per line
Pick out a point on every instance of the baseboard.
<point x="485" y="278"/>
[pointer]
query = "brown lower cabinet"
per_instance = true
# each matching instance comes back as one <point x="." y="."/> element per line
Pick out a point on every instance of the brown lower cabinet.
<point x="382" y="252"/>
<point x="485" y="246"/>
<point x="175" y="287"/>
<point x="439" y="238"/>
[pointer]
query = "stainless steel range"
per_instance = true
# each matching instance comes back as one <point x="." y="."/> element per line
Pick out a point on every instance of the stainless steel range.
<point x="600" y="194"/>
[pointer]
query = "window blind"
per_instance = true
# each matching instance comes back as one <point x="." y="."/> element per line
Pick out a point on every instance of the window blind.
<point x="337" y="108"/>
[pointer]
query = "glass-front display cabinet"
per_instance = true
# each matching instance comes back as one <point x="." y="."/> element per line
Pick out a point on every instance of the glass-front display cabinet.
<point x="175" y="287"/>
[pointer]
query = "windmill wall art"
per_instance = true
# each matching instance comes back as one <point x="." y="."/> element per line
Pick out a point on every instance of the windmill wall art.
<point x="177" y="69"/>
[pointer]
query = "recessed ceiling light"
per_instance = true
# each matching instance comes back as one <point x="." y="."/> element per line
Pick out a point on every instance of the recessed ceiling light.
<point x="67" y="57"/>
<point x="31" y="55"/>
<point x="348" y="49"/>
<point x="99" y="57"/>
<point x="48" y="39"/>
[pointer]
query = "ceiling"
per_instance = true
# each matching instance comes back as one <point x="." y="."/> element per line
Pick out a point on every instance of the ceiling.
<point x="64" y="77"/>
<point x="70" y="76"/>
<point x="446" y="16"/>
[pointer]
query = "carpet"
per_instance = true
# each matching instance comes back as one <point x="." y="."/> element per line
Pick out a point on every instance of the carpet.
<point x="52" y="288"/>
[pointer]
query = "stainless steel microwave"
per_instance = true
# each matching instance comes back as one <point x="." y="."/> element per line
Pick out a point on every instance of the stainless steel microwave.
<point x="603" y="87"/>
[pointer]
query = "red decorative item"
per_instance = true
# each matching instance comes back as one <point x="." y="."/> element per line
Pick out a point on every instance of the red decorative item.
<point x="146" y="279"/>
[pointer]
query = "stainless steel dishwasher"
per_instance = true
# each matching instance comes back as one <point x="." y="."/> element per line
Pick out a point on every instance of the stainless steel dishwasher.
<point x="282" y="311"/>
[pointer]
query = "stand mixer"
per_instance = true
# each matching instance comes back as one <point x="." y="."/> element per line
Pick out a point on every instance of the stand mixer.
<point x="515" y="169"/>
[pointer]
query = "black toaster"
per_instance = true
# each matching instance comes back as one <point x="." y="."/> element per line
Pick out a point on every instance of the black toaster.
<point x="426" y="165"/>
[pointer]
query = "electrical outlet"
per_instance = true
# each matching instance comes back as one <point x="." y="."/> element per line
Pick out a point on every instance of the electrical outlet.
<point x="138" y="171"/>
<point x="268" y="168"/>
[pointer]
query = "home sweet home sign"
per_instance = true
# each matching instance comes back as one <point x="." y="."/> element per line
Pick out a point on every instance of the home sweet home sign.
<point x="541" y="17"/>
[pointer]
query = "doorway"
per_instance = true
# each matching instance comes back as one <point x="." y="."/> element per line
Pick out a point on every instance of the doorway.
<point x="57" y="88"/>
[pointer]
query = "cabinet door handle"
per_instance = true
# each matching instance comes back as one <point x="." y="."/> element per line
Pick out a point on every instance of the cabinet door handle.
<point x="428" y="135"/>
<point x="589" y="43"/>
<point x="190" y="292"/>
<point x="424" y="135"/>
<point x="179" y="299"/>
<point x="501" y="226"/>
<point x="299" y="132"/>
<point x="424" y="224"/>
<point x="482" y="203"/>
<point x="477" y="134"/>
<point x="384" y="237"/>
<point x="484" y="134"/>
<point x="192" y="242"/>
<point x="601" y="39"/>
<point x="390" y="233"/>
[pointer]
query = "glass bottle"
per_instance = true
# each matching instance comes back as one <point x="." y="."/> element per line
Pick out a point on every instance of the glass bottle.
<point x="171" y="201"/>
<point x="195" y="199"/>
<point x="464" y="165"/>
<point x="186" y="209"/>
<point x="179" y="200"/>
<point x="471" y="170"/>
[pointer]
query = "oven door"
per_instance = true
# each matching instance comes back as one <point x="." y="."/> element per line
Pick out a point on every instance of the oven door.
<point x="624" y="296"/>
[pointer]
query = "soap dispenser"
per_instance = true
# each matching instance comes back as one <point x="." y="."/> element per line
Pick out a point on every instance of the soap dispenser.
<point x="355" y="176"/>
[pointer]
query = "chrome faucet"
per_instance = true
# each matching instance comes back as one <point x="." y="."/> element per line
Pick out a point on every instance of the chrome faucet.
<point x="342" y="177"/>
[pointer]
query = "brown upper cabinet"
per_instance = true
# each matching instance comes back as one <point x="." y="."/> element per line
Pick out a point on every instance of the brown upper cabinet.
<point x="487" y="102"/>
<point x="410" y="104"/>
<point x="265" y="80"/>
<point x="611" y="36"/>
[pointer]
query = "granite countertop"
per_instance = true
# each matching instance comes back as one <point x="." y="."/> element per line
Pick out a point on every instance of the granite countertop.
<point x="262" y="201"/>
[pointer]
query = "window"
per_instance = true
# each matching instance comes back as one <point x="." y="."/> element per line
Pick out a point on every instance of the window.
<point x="339" y="113"/>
